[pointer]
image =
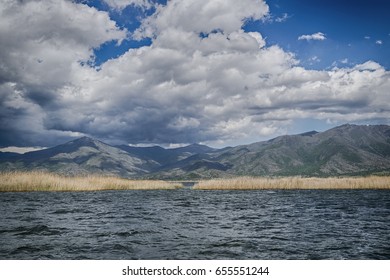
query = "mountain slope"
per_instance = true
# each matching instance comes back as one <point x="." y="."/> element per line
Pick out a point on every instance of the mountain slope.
<point x="343" y="150"/>
<point x="165" y="157"/>
<point x="81" y="156"/>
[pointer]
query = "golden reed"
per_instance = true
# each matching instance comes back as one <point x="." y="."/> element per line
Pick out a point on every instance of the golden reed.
<point x="43" y="181"/>
<point x="294" y="183"/>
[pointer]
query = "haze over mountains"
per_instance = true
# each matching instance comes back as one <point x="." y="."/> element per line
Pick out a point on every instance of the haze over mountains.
<point x="344" y="150"/>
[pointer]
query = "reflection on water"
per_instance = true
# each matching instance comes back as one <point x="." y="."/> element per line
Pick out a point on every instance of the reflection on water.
<point x="189" y="224"/>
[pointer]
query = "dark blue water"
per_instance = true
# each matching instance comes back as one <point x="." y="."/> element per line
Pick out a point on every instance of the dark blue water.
<point x="189" y="224"/>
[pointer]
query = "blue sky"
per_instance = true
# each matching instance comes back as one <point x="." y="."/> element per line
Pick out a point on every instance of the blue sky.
<point x="195" y="71"/>
<point x="355" y="30"/>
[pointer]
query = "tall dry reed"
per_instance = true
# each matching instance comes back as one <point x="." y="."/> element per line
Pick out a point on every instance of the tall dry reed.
<point x="255" y="183"/>
<point x="42" y="181"/>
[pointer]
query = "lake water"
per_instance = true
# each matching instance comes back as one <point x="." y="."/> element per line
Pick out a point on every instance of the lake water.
<point x="190" y="224"/>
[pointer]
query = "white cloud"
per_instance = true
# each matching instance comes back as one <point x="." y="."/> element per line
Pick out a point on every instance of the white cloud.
<point x="379" y="42"/>
<point x="20" y="150"/>
<point x="202" y="16"/>
<point x="319" y="36"/>
<point x="315" y="59"/>
<point x="258" y="37"/>
<point x="121" y="4"/>
<point x="49" y="39"/>
<point x="283" y="18"/>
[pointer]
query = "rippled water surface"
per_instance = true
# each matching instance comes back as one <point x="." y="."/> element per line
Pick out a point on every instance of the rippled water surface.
<point x="189" y="224"/>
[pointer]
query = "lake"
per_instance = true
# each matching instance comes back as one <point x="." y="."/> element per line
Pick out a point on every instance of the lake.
<point x="191" y="224"/>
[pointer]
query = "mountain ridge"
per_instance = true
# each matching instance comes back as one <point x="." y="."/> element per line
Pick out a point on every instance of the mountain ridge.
<point x="346" y="150"/>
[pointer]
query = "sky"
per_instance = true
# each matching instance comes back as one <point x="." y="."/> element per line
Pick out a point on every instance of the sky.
<point x="176" y="72"/>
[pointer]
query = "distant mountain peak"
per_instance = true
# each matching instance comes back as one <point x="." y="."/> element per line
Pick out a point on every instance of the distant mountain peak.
<point x="195" y="148"/>
<point x="85" y="140"/>
<point x="309" y="133"/>
<point x="197" y="145"/>
<point x="347" y="126"/>
<point x="194" y="145"/>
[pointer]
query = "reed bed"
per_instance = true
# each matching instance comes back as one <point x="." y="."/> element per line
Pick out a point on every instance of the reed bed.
<point x="294" y="183"/>
<point x="41" y="181"/>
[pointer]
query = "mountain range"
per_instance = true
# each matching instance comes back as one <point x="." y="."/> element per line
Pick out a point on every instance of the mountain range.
<point x="346" y="150"/>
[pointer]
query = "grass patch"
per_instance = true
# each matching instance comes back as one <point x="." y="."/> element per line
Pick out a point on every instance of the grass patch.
<point x="43" y="181"/>
<point x="292" y="183"/>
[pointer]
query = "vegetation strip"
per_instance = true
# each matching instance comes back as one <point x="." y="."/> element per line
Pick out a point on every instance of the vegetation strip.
<point x="292" y="183"/>
<point x="41" y="181"/>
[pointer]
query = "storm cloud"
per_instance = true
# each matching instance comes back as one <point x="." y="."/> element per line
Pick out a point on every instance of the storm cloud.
<point x="202" y="79"/>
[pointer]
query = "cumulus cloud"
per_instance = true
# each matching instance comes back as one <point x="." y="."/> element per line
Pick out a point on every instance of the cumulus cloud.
<point x="43" y="45"/>
<point x="319" y="36"/>
<point x="161" y="91"/>
<point x="202" y="16"/>
<point x="202" y="79"/>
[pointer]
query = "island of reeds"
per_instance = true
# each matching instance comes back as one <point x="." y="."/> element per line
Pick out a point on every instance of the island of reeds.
<point x="43" y="181"/>
<point x="295" y="183"/>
